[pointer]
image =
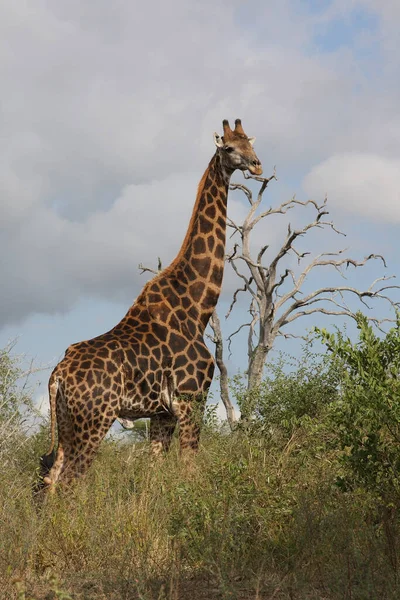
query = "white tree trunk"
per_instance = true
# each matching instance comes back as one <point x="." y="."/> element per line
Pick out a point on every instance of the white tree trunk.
<point x="219" y="359"/>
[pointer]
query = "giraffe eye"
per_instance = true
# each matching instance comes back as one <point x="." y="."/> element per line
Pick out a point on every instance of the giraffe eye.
<point x="228" y="149"/>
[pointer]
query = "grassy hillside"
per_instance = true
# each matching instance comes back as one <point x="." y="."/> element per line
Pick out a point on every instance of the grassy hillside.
<point x="245" y="519"/>
<point x="278" y="509"/>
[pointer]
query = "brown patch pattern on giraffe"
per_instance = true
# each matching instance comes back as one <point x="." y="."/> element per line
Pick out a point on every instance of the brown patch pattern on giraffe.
<point x="155" y="362"/>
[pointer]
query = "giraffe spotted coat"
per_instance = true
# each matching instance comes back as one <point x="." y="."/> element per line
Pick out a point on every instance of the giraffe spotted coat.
<point x="155" y="362"/>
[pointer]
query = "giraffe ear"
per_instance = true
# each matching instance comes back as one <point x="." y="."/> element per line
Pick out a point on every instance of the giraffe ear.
<point x="218" y="141"/>
<point x="251" y="140"/>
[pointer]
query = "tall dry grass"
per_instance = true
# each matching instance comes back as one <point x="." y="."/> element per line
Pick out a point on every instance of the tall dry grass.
<point x="246" y="518"/>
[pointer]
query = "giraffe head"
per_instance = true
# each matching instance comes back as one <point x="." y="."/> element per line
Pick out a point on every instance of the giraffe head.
<point x="236" y="149"/>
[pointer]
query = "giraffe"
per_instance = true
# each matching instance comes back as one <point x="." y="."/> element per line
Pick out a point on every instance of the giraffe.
<point x="154" y="363"/>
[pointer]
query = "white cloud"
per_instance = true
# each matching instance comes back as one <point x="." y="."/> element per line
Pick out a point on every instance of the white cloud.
<point x="107" y="119"/>
<point x="59" y="260"/>
<point x="364" y="184"/>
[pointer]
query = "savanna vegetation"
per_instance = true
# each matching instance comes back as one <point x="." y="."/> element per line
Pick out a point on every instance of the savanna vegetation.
<point x="300" y="501"/>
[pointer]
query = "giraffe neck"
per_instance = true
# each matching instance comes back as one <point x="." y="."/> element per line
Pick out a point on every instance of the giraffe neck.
<point x="202" y="254"/>
<point x="194" y="278"/>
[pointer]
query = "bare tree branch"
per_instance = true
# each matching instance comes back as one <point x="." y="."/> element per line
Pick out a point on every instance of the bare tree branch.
<point x="271" y="308"/>
<point x="219" y="359"/>
<point x="337" y="264"/>
<point x="144" y="269"/>
<point x="234" y="298"/>
<point x="245" y="190"/>
<point x="247" y="281"/>
<point x="255" y="317"/>
<point x="229" y="338"/>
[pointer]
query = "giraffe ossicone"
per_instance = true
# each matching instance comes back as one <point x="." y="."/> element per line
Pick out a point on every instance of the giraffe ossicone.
<point x="154" y="363"/>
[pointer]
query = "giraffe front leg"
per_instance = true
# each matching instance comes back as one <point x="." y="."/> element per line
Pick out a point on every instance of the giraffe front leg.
<point x="190" y="410"/>
<point x="162" y="428"/>
<point x="50" y="479"/>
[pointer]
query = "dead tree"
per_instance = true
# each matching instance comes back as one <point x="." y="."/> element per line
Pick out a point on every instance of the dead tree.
<point x="275" y="291"/>
<point x="218" y="340"/>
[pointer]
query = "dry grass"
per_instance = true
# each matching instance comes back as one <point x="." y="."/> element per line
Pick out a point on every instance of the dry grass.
<point x="245" y="519"/>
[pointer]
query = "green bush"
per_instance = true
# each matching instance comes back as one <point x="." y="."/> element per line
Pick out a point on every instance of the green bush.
<point x="295" y="392"/>
<point x="15" y="405"/>
<point x="366" y="417"/>
<point x="12" y="398"/>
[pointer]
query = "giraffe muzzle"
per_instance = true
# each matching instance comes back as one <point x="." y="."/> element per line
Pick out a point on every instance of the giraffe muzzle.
<point x="255" y="167"/>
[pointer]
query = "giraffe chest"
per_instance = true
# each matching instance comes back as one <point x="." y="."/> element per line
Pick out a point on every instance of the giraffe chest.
<point x="138" y="368"/>
<point x="142" y="391"/>
<point x="151" y="386"/>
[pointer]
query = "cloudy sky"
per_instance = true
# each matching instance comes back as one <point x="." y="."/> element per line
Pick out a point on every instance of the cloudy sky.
<point x="107" y="113"/>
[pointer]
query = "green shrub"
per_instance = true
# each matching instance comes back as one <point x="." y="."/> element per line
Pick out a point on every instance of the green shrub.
<point x="366" y="417"/>
<point x="295" y="392"/>
<point x="15" y="406"/>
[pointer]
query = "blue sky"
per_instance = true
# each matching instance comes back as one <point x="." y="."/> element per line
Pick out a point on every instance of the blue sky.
<point x="107" y="114"/>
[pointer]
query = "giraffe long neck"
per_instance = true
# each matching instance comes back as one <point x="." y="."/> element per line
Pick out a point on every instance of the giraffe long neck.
<point x="194" y="278"/>
<point x="202" y="255"/>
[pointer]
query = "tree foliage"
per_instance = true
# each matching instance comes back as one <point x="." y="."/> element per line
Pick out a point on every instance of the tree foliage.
<point x="366" y="418"/>
<point x="10" y="393"/>
<point x="16" y="405"/>
<point x="295" y="392"/>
